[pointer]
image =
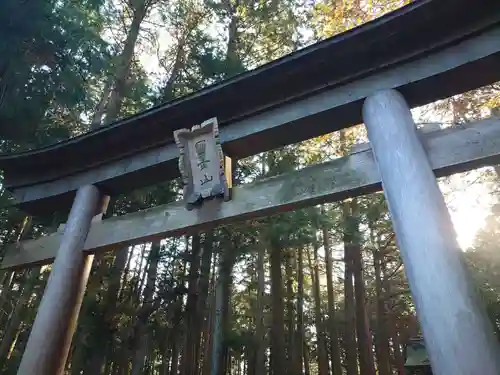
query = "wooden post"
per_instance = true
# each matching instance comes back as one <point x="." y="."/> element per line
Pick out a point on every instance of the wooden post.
<point x="55" y="323"/>
<point x="457" y="332"/>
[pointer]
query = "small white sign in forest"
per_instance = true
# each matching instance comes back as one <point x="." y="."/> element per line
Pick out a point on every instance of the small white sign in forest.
<point x="201" y="163"/>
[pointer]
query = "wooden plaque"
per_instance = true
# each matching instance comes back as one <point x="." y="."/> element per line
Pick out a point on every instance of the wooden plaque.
<point x="201" y="163"/>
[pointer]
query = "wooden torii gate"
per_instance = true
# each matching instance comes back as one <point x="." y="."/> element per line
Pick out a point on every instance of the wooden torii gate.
<point x="426" y="51"/>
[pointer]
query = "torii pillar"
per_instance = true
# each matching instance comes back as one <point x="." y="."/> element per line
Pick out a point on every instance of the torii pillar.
<point x="457" y="332"/>
<point x="50" y="338"/>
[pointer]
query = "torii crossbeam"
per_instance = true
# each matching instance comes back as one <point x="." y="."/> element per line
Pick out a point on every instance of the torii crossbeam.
<point x="423" y="51"/>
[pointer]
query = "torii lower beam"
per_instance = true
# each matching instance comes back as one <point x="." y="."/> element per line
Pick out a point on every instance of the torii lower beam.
<point x="450" y="150"/>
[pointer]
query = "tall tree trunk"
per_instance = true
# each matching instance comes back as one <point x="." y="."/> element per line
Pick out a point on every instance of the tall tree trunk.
<point x="223" y="284"/>
<point x="366" y="364"/>
<point x="201" y="310"/>
<point x="8" y="276"/>
<point x="321" y="342"/>
<point x="178" y="325"/>
<point x="135" y="289"/>
<point x="17" y="344"/>
<point x="174" y="365"/>
<point x="260" y="356"/>
<point x="142" y="276"/>
<point x="217" y="357"/>
<point x="208" y="341"/>
<point x="307" y="370"/>
<point x="399" y="361"/>
<point x="165" y="358"/>
<point x="168" y="89"/>
<point x="18" y="314"/>
<point x="332" y="324"/>
<point x="189" y="360"/>
<point x="277" y="332"/>
<point x="101" y="106"/>
<point x="125" y="60"/>
<point x="300" y="312"/>
<point x="6" y="282"/>
<point x="232" y="58"/>
<point x="227" y="285"/>
<point x="382" y="336"/>
<point x="22" y="335"/>
<point x="391" y="320"/>
<point x="290" y="260"/>
<point x="142" y="335"/>
<point x="349" y="310"/>
<point x="6" y="297"/>
<point x="94" y="364"/>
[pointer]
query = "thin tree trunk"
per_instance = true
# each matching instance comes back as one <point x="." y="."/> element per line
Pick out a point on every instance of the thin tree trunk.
<point x="300" y="312"/>
<point x="168" y="89"/>
<point x="8" y="278"/>
<point x="175" y="357"/>
<point x="227" y="284"/>
<point x="107" y="367"/>
<point x="22" y="335"/>
<point x="134" y="290"/>
<point x="248" y="359"/>
<point x="382" y="336"/>
<point x="260" y="356"/>
<point x="366" y="364"/>
<point x="332" y="324"/>
<point x="124" y="276"/>
<point x="142" y="277"/>
<point x="207" y="357"/>
<point x="125" y="61"/>
<point x="98" y="355"/>
<point x="391" y="322"/>
<point x="290" y="313"/>
<point x="101" y="106"/>
<point x="207" y="339"/>
<point x="141" y="336"/>
<point x="349" y="310"/>
<point x="201" y="310"/>
<point x="321" y="344"/>
<point x="307" y="370"/>
<point x="18" y="314"/>
<point x="189" y="360"/>
<point x="277" y="332"/>
<point x="232" y="58"/>
<point x="399" y="361"/>
<point x="165" y="358"/>
<point x="5" y="310"/>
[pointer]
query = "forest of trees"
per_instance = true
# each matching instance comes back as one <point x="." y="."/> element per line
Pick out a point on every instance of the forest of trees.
<point x="319" y="291"/>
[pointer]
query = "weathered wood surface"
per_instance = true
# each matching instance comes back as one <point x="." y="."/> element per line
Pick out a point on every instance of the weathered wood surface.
<point x="458" y="333"/>
<point x="201" y="163"/>
<point x="50" y="338"/>
<point x="423" y="80"/>
<point x="450" y="151"/>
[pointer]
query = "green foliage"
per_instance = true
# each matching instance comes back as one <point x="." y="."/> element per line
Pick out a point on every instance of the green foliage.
<point x="44" y="67"/>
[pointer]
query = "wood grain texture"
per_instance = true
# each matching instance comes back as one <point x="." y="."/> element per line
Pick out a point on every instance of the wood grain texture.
<point x="50" y="338"/>
<point x="450" y="151"/>
<point x="422" y="80"/>
<point x="201" y="163"/>
<point x="458" y="335"/>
